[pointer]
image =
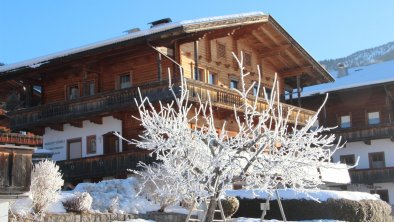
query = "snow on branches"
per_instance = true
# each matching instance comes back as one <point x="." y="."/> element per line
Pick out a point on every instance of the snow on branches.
<point x="46" y="182"/>
<point x="199" y="159"/>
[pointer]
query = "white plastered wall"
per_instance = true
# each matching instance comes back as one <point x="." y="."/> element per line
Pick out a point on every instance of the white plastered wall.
<point x="56" y="141"/>
<point x="361" y="150"/>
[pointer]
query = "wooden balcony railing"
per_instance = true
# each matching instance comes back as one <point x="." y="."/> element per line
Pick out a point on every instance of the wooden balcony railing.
<point x="366" y="133"/>
<point x="370" y="176"/>
<point x="62" y="112"/>
<point x="101" y="166"/>
<point x="19" y="139"/>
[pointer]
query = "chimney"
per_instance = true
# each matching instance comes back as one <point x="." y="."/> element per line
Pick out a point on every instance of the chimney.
<point x="160" y="22"/>
<point x="132" y="30"/>
<point x="342" y="70"/>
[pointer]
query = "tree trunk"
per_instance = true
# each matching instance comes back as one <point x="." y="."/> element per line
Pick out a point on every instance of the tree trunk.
<point x="211" y="209"/>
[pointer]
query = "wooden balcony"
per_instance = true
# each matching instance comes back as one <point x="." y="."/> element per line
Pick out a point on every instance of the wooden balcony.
<point x="19" y="139"/>
<point x="109" y="165"/>
<point x="105" y="103"/>
<point x="370" y="176"/>
<point x="366" y="133"/>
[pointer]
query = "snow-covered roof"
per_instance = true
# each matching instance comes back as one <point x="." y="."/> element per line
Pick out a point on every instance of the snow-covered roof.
<point x="37" y="62"/>
<point x="357" y="77"/>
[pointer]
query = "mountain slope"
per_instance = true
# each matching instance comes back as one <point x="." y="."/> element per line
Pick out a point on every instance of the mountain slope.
<point x="364" y="57"/>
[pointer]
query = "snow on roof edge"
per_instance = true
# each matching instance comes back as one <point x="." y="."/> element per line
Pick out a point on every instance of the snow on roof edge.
<point x="350" y="86"/>
<point x="38" y="61"/>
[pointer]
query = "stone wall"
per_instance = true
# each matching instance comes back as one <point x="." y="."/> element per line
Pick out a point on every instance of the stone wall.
<point x="102" y="217"/>
<point x="163" y="217"/>
<point x="74" y="217"/>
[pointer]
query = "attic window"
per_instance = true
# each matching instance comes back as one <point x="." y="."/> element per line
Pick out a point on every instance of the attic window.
<point x="221" y="50"/>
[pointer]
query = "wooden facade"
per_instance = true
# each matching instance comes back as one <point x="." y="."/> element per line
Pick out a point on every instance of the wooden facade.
<point x="15" y="169"/>
<point x="103" y="81"/>
<point x="357" y="103"/>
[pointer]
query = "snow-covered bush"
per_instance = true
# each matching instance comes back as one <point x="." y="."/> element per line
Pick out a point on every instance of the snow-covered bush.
<point x="80" y="202"/>
<point x="46" y="182"/>
<point x="230" y="206"/>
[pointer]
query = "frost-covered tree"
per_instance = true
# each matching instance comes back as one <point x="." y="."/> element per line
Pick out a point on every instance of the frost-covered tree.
<point x="46" y="182"/>
<point x="199" y="162"/>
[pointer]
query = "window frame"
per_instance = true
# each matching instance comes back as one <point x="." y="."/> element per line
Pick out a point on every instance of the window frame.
<point x="68" y="91"/>
<point x="84" y="89"/>
<point x="215" y="77"/>
<point x="344" y="157"/>
<point x="119" y="77"/>
<point x="73" y="140"/>
<point x="233" y="80"/>
<point x="370" y="158"/>
<point x="89" y="149"/>
<point x="368" y="119"/>
<point x="341" y="125"/>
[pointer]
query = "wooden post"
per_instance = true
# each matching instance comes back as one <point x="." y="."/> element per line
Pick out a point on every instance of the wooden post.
<point x="299" y="90"/>
<point x="159" y="68"/>
<point x="280" y="206"/>
<point x="196" y="74"/>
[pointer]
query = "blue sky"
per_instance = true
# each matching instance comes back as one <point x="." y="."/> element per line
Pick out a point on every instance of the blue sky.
<point x="325" y="28"/>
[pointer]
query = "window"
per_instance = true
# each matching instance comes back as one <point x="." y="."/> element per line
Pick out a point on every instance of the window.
<point x="91" y="144"/>
<point x="247" y="59"/>
<point x="268" y="93"/>
<point x="384" y="194"/>
<point x="200" y="75"/>
<point x="345" y="121"/>
<point x="124" y="81"/>
<point x="74" y="148"/>
<point x="212" y="78"/>
<point x="373" y="118"/>
<point x="255" y="90"/>
<point x="88" y="88"/>
<point x="376" y="160"/>
<point x="72" y="92"/>
<point x="233" y="84"/>
<point x="348" y="159"/>
<point x="221" y="50"/>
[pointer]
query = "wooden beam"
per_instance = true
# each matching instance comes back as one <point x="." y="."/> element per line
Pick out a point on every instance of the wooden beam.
<point x="269" y="35"/>
<point x="234" y="48"/>
<point x="208" y="49"/>
<point x="77" y="124"/>
<point x="97" y="120"/>
<point x="274" y="51"/>
<point x="295" y="71"/>
<point x="292" y="57"/>
<point x="259" y="38"/>
<point x="58" y="127"/>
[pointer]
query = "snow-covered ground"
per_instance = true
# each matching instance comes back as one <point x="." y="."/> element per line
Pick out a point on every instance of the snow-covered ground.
<point x="120" y="196"/>
<point x="245" y="220"/>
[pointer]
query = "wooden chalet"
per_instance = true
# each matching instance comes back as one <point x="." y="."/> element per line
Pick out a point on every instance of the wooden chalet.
<point x="88" y="93"/>
<point x="361" y="104"/>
